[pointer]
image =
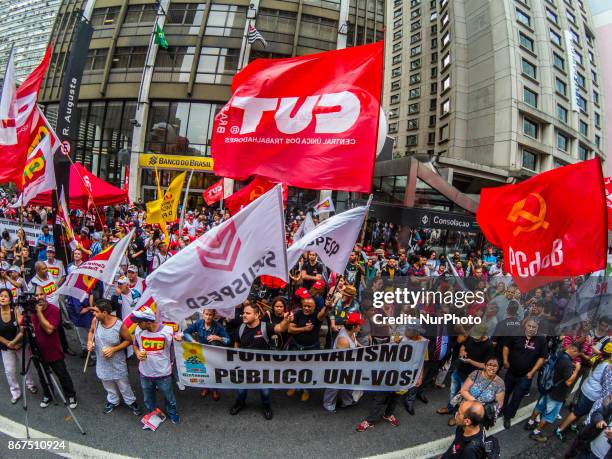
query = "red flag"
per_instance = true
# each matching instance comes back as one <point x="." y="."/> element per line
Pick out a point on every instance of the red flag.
<point x="608" y="183"/>
<point x="552" y="225"/>
<point x="14" y="156"/>
<point x="308" y="121"/>
<point x="249" y="193"/>
<point x="213" y="193"/>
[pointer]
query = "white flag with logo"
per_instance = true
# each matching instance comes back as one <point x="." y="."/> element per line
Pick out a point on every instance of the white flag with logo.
<point x="306" y="227"/>
<point x="218" y="269"/>
<point x="8" y="107"/>
<point x="102" y="267"/>
<point x="325" y="206"/>
<point x="333" y="239"/>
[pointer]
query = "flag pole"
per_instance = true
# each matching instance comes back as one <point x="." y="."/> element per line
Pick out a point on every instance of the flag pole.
<point x="182" y="219"/>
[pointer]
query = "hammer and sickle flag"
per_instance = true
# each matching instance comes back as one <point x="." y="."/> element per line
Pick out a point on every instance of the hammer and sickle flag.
<point x="550" y="226"/>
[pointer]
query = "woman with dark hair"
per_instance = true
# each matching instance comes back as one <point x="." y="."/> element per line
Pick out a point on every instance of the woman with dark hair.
<point x="279" y="308"/>
<point x="11" y="335"/>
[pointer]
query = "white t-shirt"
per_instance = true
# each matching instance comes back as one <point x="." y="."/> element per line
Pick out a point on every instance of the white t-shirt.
<point x="15" y="291"/>
<point x="128" y="301"/>
<point x="139" y="285"/>
<point x="49" y="286"/>
<point x="158" y="346"/>
<point x="56" y="269"/>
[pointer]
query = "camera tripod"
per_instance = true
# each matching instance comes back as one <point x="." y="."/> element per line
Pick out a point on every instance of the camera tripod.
<point x="47" y="379"/>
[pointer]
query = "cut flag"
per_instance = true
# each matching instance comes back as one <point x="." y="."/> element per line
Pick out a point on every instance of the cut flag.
<point x="309" y="121"/>
<point x="255" y="36"/>
<point x="213" y="193"/>
<point x="608" y="184"/>
<point x="256" y="188"/>
<point x="172" y="197"/>
<point x="306" y="227"/>
<point x="63" y="219"/>
<point x="103" y="267"/>
<point x="27" y="116"/>
<point x="542" y="237"/>
<point x="218" y="269"/>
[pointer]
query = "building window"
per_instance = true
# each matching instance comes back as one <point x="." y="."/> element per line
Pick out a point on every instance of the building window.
<point x="526" y="42"/>
<point x="415" y="13"/>
<point x="434" y="88"/>
<point x="393" y="128"/>
<point x="530" y="97"/>
<point x="415" y="78"/>
<point x="229" y="20"/>
<point x="397" y="13"/>
<point x="432" y="120"/>
<point x="570" y="16"/>
<point x="397" y="23"/>
<point x="562" y="113"/>
<point x="530" y="128"/>
<point x="411" y="140"/>
<point x="397" y="59"/>
<point x="433" y="16"/>
<point x="414" y="93"/>
<point x="397" y="46"/>
<point x="592" y="58"/>
<point x="562" y="141"/>
<point x="393" y="113"/>
<point x="596" y="97"/>
<point x="395" y="85"/>
<point x="597" y="119"/>
<point x="583" y="153"/>
<point x="181" y="13"/>
<point x="415" y="64"/>
<point x="96" y="59"/>
<point x="551" y="16"/>
<point x="444" y="19"/>
<point x="575" y="37"/>
<point x="397" y="34"/>
<point x="413" y="108"/>
<point x="433" y="104"/>
<point x="397" y="71"/>
<point x="580" y="80"/>
<point x="529" y="160"/>
<point x="434" y="72"/>
<point x="415" y="26"/>
<point x="431" y="138"/>
<point x="446" y="60"/>
<point x="594" y="76"/>
<point x="584" y="128"/>
<point x="555" y="38"/>
<point x="413" y="124"/>
<point x="434" y="43"/>
<point x="446" y="39"/>
<point x="415" y="37"/>
<point x="528" y="68"/>
<point x="415" y="50"/>
<point x="523" y="18"/>
<point x="445" y="83"/>
<point x="395" y="98"/>
<point x="581" y="102"/>
<point x="444" y="131"/>
<point x="560" y="86"/>
<point x="598" y="141"/>
<point x="578" y="58"/>
<point x="445" y="107"/>
<point x="146" y="13"/>
<point x="558" y="62"/>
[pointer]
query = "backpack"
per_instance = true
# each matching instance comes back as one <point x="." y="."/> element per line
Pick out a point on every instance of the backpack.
<point x="546" y="375"/>
<point x="262" y="327"/>
<point x="489" y="447"/>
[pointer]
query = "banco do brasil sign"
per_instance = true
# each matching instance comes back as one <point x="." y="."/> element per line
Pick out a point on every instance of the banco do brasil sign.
<point x="198" y="163"/>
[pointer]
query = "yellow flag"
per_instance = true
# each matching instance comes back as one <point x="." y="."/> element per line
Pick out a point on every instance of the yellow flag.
<point x="154" y="215"/>
<point x="171" y="198"/>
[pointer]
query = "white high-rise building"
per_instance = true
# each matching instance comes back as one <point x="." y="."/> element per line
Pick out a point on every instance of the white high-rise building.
<point x="26" y="25"/>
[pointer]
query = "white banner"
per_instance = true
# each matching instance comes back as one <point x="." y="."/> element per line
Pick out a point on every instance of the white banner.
<point x="103" y="267"/>
<point x="218" y="269"/>
<point x="8" y="107"/>
<point x="306" y="227"/>
<point x="325" y="206"/>
<point x="333" y="239"/>
<point x="31" y="231"/>
<point x="40" y="159"/>
<point x="379" y="368"/>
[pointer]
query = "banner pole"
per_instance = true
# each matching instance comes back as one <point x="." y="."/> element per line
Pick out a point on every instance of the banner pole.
<point x="182" y="219"/>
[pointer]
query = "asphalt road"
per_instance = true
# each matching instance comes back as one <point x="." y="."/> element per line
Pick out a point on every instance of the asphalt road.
<point x="298" y="430"/>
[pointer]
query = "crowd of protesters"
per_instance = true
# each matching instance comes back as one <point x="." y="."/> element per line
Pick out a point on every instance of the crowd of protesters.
<point x="488" y="368"/>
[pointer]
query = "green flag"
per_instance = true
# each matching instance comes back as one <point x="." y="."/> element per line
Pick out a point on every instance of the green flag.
<point x="160" y="37"/>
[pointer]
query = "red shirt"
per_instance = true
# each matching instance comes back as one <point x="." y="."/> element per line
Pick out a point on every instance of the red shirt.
<point x="86" y="244"/>
<point x="50" y="346"/>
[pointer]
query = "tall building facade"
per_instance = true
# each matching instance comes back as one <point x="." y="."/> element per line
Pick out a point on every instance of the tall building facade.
<point x="493" y="91"/>
<point x="160" y="103"/>
<point x="25" y="25"/>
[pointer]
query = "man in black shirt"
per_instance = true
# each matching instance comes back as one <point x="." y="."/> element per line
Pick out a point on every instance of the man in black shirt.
<point x="469" y="436"/>
<point x="304" y="331"/>
<point x="255" y="334"/>
<point x="353" y="273"/>
<point x="523" y="356"/>
<point x="311" y="271"/>
<point x="550" y="403"/>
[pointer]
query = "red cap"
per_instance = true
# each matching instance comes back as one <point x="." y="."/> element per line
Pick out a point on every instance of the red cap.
<point x="302" y="293"/>
<point x="354" y="318"/>
<point x="319" y="284"/>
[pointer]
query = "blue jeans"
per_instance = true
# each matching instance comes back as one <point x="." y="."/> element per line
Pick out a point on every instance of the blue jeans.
<point x="516" y="389"/>
<point x="264" y="393"/>
<point x="455" y="386"/>
<point x="149" y="387"/>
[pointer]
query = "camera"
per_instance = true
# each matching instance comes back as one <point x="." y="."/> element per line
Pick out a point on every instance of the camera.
<point x="27" y="302"/>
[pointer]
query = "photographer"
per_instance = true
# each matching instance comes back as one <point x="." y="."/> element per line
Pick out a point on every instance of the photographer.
<point x="11" y="336"/>
<point x="45" y="322"/>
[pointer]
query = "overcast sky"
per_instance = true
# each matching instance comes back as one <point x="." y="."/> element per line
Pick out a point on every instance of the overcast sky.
<point x="597" y="6"/>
